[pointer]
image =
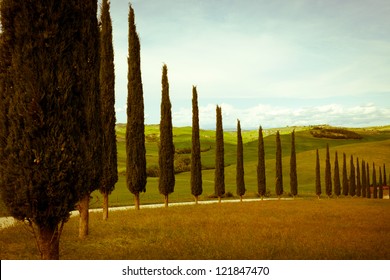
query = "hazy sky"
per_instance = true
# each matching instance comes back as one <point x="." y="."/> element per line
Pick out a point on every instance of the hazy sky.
<point x="272" y="63"/>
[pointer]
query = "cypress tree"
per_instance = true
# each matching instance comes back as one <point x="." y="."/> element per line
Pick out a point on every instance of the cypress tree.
<point x="219" y="180"/>
<point x="336" y="177"/>
<point x="358" y="182"/>
<point x="279" y="172"/>
<point x="166" y="155"/>
<point x="240" y="182"/>
<point x="135" y="128"/>
<point x="107" y="92"/>
<point x="345" y="176"/>
<point x="328" y="175"/>
<point x="375" y="186"/>
<point x="380" y="194"/>
<point x="261" y="178"/>
<point x="352" y="179"/>
<point x="43" y="158"/>
<point x="196" y="165"/>
<point x="368" y="192"/>
<point x="293" y="167"/>
<point x="364" y="180"/>
<point x="318" y="176"/>
<point x="384" y="175"/>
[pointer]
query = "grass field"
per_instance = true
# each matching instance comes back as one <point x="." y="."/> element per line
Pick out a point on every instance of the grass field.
<point x="344" y="228"/>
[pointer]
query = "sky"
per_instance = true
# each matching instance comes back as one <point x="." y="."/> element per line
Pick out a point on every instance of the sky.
<point x="271" y="63"/>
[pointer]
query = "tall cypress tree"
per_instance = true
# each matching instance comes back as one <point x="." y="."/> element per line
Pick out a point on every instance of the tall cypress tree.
<point x="368" y="185"/>
<point x="219" y="180"/>
<point x="279" y="170"/>
<point x="380" y="194"/>
<point x="135" y="128"/>
<point x="375" y="186"/>
<point x="352" y="178"/>
<point x="364" y="180"/>
<point x="261" y="178"/>
<point x="43" y="158"/>
<point x="384" y="175"/>
<point x="358" y="182"/>
<point x="318" y="176"/>
<point x="240" y="182"/>
<point x="196" y="165"/>
<point x="166" y="155"/>
<point x="107" y="92"/>
<point x="293" y="167"/>
<point x="345" y="176"/>
<point x="336" y="177"/>
<point x="328" y="174"/>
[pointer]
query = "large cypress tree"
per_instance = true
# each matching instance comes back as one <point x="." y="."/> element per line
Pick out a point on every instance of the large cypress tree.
<point x="196" y="165"/>
<point x="328" y="174"/>
<point x="293" y="167"/>
<point x="49" y="85"/>
<point x="279" y="171"/>
<point x="364" y="179"/>
<point x="336" y="176"/>
<point x="368" y="185"/>
<point x="318" y="176"/>
<point x="352" y="178"/>
<point x="345" y="176"/>
<point x="380" y="193"/>
<point x="135" y="128"/>
<point x="166" y="152"/>
<point x="93" y="137"/>
<point x="107" y="92"/>
<point x="219" y="179"/>
<point x="384" y="175"/>
<point x="358" y="180"/>
<point x="261" y="178"/>
<point x="374" y="184"/>
<point x="240" y="182"/>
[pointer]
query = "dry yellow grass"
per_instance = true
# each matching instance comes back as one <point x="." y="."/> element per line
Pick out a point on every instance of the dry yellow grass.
<point x="342" y="228"/>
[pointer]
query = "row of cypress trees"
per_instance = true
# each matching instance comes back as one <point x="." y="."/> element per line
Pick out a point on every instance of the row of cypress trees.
<point x="357" y="183"/>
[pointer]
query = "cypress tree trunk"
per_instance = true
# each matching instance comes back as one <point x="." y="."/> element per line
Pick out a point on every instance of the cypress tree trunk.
<point x="364" y="180"/>
<point x="358" y="182"/>
<point x="345" y="177"/>
<point x="318" y="176"/>
<point x="293" y="167"/>
<point x="84" y="216"/>
<point x="352" y="179"/>
<point x="135" y="128"/>
<point x="240" y="182"/>
<point x="368" y="185"/>
<point x="375" y="186"/>
<point x="166" y="181"/>
<point x="328" y="175"/>
<point x="261" y="178"/>
<point x="196" y="165"/>
<point x="49" y="242"/>
<point x="336" y="178"/>
<point x="219" y="181"/>
<point x="107" y="88"/>
<point x="279" y="172"/>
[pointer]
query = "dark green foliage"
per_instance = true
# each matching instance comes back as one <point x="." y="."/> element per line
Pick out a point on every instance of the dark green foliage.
<point x="364" y="179"/>
<point x="240" y="182"/>
<point x="52" y="81"/>
<point x="345" y="176"/>
<point x="368" y="190"/>
<point x="293" y="167"/>
<point x="358" y="182"/>
<point x="107" y="93"/>
<point x="374" y="184"/>
<point x="336" y="177"/>
<point x="166" y="152"/>
<point x="279" y="172"/>
<point x="318" y="175"/>
<point x="380" y="192"/>
<point x="135" y="129"/>
<point x="384" y="175"/>
<point x="328" y="174"/>
<point x="352" y="178"/>
<point x="334" y="133"/>
<point x="219" y="180"/>
<point x="196" y="164"/>
<point x="261" y="178"/>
